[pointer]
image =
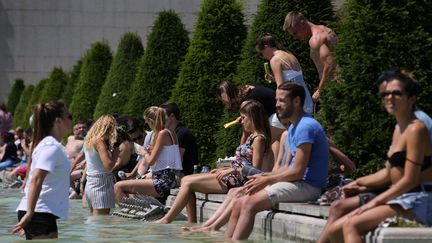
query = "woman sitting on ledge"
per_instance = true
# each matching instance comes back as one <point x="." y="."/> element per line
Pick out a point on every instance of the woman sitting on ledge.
<point x="162" y="157"/>
<point x="408" y="168"/>
<point x="251" y="153"/>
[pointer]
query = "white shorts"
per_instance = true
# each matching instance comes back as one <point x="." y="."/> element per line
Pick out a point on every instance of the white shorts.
<point x="296" y="191"/>
<point x="274" y="122"/>
<point x="99" y="191"/>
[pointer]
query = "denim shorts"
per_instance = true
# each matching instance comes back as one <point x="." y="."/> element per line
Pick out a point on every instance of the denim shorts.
<point x="418" y="202"/>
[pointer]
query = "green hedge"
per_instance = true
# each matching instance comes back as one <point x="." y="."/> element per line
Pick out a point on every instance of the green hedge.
<point x="167" y="44"/>
<point x="212" y="56"/>
<point x="21" y="106"/>
<point x="373" y="36"/>
<point x="54" y="86"/>
<point x="35" y="98"/>
<point x="270" y="17"/>
<point x="72" y="80"/>
<point x="96" y="63"/>
<point x="14" y="95"/>
<point x="116" y="90"/>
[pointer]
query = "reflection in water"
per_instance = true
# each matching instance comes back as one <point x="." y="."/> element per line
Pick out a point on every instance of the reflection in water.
<point x="84" y="228"/>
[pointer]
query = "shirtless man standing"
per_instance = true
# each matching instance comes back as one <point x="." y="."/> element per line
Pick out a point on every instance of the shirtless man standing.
<point x="321" y="39"/>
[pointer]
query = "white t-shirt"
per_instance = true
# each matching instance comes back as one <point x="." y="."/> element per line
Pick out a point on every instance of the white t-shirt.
<point x="50" y="155"/>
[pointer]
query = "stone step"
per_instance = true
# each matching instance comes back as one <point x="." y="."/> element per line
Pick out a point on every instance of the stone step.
<point x="302" y="222"/>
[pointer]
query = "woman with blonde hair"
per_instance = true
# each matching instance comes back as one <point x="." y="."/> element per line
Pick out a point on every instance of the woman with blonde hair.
<point x="101" y="155"/>
<point x="162" y="157"/>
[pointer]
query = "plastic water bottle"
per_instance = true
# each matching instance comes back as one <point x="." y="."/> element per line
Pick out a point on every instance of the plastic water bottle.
<point x="197" y="169"/>
<point x="205" y="169"/>
<point x="121" y="175"/>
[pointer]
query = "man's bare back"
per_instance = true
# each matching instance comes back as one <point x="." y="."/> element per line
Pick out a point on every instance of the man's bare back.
<point x="73" y="147"/>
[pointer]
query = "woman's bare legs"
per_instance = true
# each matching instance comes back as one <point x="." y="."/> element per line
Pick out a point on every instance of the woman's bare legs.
<point x="191" y="209"/>
<point x="204" y="183"/>
<point x="275" y="140"/>
<point x="141" y="186"/>
<point x="349" y="224"/>
<point x="102" y="211"/>
<point x="338" y="209"/>
<point x="359" y="225"/>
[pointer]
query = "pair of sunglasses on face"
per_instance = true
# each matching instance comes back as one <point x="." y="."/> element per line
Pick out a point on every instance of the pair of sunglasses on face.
<point x="396" y="93"/>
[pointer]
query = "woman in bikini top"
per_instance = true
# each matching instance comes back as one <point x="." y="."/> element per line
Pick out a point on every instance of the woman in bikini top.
<point x="407" y="170"/>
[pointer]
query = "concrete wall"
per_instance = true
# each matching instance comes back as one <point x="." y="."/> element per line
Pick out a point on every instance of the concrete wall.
<point x="36" y="35"/>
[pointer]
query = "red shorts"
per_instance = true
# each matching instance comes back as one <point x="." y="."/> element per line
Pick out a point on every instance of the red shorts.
<point x="22" y="171"/>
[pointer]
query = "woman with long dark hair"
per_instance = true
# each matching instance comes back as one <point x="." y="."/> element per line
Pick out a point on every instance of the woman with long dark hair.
<point x="249" y="154"/>
<point x="284" y="65"/>
<point x="407" y="170"/>
<point x="47" y="188"/>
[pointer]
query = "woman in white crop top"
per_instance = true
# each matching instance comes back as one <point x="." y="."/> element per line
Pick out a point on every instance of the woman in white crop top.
<point x="284" y="65"/>
<point x="162" y="157"/>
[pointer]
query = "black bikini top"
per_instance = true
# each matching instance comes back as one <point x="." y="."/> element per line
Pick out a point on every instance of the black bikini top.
<point x="398" y="160"/>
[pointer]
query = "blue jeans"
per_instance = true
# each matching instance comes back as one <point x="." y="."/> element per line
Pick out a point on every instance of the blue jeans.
<point x="5" y="164"/>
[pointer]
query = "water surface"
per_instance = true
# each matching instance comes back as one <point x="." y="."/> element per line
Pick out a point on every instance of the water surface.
<point x="84" y="228"/>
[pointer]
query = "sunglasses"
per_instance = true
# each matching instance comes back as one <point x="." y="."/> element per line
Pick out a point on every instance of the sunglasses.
<point x="397" y="93"/>
<point x="137" y="138"/>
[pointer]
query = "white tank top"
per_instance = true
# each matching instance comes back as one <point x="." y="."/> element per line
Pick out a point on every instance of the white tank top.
<point x="169" y="158"/>
<point x="94" y="162"/>
<point x="290" y="75"/>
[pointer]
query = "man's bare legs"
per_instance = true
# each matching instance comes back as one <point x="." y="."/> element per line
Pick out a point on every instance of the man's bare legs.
<point x="242" y="218"/>
<point x="222" y="214"/>
<point x="204" y="183"/>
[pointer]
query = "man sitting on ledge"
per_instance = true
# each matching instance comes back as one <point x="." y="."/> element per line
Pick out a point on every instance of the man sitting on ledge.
<point x="302" y="177"/>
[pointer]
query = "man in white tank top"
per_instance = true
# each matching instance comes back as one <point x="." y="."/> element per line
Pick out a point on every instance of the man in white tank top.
<point x="321" y="40"/>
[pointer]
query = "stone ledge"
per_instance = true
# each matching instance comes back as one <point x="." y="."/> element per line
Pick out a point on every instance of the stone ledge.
<point x="302" y="222"/>
<point x="400" y="235"/>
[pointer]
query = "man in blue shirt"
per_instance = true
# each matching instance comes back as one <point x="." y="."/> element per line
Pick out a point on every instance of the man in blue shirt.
<point x="300" y="179"/>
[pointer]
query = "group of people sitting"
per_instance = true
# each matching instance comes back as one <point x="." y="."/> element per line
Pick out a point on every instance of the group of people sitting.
<point x="14" y="153"/>
<point x="283" y="155"/>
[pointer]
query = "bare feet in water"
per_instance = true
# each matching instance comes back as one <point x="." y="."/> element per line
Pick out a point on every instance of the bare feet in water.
<point x="200" y="228"/>
<point x="161" y="221"/>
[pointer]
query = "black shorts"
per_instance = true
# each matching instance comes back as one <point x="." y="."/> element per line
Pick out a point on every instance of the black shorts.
<point x="40" y="224"/>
